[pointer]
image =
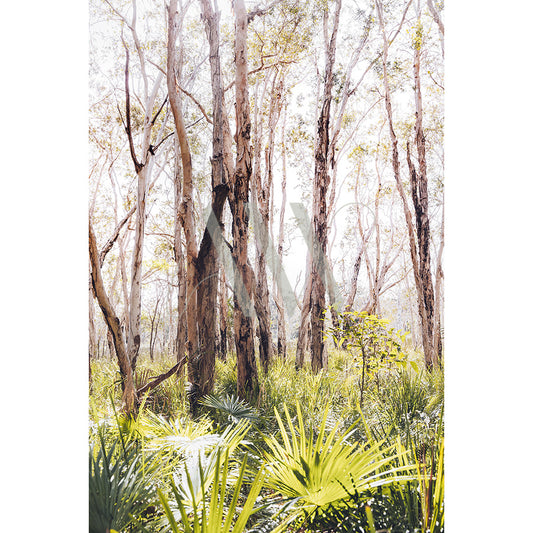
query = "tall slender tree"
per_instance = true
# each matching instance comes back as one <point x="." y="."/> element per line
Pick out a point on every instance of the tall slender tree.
<point x="320" y="189"/>
<point x="246" y="366"/>
<point x="419" y="240"/>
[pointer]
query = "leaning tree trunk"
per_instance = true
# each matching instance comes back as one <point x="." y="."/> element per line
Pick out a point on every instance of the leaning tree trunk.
<point x="129" y="395"/>
<point x="186" y="214"/>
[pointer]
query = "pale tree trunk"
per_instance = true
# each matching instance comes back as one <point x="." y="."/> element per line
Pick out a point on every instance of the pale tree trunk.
<point x="256" y="189"/>
<point x="282" y="329"/>
<point x="383" y="261"/>
<point x="181" y="327"/>
<point x="154" y="324"/>
<point x="143" y="169"/>
<point x="436" y="17"/>
<point x="92" y="327"/>
<point x="437" y="340"/>
<point x="246" y="367"/>
<point x="353" y="285"/>
<point x="305" y="319"/>
<point x="319" y="224"/>
<point x="134" y="336"/>
<point x="122" y="244"/>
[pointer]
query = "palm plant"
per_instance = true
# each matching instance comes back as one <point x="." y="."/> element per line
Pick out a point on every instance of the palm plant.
<point x="198" y="470"/>
<point x="315" y="475"/>
<point x="121" y="484"/>
<point x="209" y="514"/>
<point x="430" y="476"/>
<point x="180" y="434"/>
<point x="231" y="407"/>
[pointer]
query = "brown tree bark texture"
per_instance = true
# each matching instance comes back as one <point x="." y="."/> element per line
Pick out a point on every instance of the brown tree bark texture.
<point x="246" y="367"/>
<point x="320" y="212"/>
<point x="112" y="321"/>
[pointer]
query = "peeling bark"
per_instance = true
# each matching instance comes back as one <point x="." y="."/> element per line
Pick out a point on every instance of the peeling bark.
<point x="320" y="213"/>
<point x="246" y="366"/>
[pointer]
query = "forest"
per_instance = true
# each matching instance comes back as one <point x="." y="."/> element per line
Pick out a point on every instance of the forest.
<point x="265" y="248"/>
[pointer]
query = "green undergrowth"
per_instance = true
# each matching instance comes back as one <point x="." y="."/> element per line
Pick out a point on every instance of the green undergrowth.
<point x="301" y="455"/>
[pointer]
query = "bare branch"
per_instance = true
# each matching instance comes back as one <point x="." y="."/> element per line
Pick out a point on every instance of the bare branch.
<point x="259" y="12"/>
<point x="109" y="244"/>
<point x="162" y="377"/>
<point x="261" y="67"/>
<point x="401" y="22"/>
<point x="127" y="126"/>
<point x="200" y="107"/>
<point x="160" y="109"/>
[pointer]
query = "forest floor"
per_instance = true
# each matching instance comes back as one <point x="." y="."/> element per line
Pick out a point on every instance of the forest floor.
<point x="317" y="457"/>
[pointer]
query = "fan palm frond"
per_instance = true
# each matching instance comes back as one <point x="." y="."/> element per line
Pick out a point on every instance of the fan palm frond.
<point x="318" y="473"/>
<point x="209" y="514"/>
<point x="121" y="484"/>
<point x="235" y="409"/>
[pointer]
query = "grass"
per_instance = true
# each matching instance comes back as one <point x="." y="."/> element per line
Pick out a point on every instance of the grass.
<point x="398" y="430"/>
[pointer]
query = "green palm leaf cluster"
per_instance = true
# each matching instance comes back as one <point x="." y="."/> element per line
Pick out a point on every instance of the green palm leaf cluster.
<point x="121" y="484"/>
<point x="235" y="409"/>
<point x="316" y="473"/>
<point x="209" y="512"/>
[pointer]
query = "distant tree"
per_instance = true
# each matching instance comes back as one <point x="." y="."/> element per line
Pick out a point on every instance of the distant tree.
<point x="419" y="240"/>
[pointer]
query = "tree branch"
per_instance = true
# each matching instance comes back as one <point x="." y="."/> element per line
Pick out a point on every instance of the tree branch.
<point x="162" y="377"/>
<point x="258" y="12"/>
<point x="200" y="107"/>
<point x="136" y="163"/>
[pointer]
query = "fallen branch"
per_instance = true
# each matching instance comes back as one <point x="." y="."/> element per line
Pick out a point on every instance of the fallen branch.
<point x="159" y="379"/>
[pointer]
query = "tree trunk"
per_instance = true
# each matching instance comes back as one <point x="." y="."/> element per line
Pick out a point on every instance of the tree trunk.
<point x="181" y="333"/>
<point x="208" y="288"/>
<point x="419" y="191"/>
<point x="282" y="330"/>
<point x="246" y="367"/>
<point x="129" y="395"/>
<point x="422" y="291"/>
<point x="437" y="340"/>
<point x="221" y="170"/>
<point x="153" y="329"/>
<point x="186" y="214"/>
<point x="223" y="314"/>
<point x="92" y="328"/>
<point x="303" y="331"/>
<point x="320" y="212"/>
<point x="262" y="189"/>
